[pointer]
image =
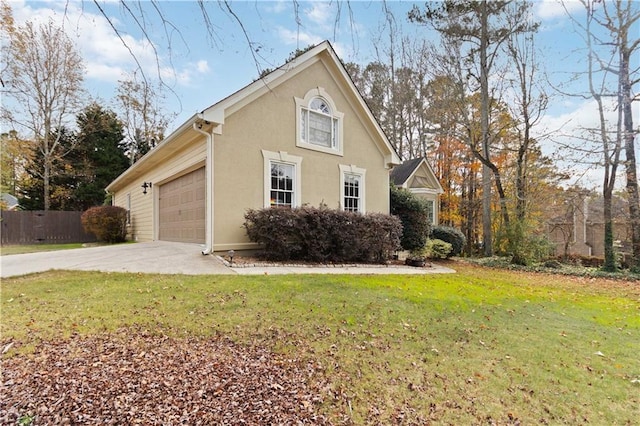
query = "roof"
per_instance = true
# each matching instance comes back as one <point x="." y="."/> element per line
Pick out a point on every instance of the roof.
<point x="401" y="173"/>
<point x="215" y="114"/>
<point x="9" y="200"/>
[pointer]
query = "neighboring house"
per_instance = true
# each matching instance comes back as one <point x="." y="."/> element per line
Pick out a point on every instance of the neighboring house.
<point x="578" y="226"/>
<point x="302" y="135"/>
<point x="8" y="202"/>
<point x="418" y="177"/>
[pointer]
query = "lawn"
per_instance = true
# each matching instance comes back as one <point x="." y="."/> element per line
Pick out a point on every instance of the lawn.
<point x="480" y="346"/>
<point x="35" y="248"/>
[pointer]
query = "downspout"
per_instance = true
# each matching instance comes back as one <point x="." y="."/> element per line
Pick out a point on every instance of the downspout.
<point x="208" y="224"/>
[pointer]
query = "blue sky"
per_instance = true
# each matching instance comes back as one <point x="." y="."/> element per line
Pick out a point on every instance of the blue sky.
<point x="202" y="69"/>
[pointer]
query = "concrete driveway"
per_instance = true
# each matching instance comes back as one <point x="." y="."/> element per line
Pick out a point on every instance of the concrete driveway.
<point x="160" y="257"/>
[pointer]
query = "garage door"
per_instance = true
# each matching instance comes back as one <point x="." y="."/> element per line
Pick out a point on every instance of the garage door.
<point x="182" y="208"/>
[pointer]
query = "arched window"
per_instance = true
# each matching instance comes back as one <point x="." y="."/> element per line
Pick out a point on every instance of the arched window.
<point x="319" y="124"/>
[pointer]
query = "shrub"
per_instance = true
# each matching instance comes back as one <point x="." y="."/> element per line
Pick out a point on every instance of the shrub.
<point x="451" y="235"/>
<point x="323" y="235"/>
<point x="438" y="249"/>
<point x="525" y="247"/>
<point x="107" y="223"/>
<point x="413" y="212"/>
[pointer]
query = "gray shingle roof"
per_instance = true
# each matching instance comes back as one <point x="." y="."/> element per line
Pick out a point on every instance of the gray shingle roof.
<point x="402" y="172"/>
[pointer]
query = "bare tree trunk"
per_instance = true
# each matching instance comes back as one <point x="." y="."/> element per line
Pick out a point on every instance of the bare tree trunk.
<point x="487" y="234"/>
<point x="46" y="178"/>
<point x="629" y="146"/>
<point x="502" y="196"/>
<point x="609" y="253"/>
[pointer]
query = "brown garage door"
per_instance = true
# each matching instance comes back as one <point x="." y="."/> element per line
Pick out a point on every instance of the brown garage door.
<point x="182" y="208"/>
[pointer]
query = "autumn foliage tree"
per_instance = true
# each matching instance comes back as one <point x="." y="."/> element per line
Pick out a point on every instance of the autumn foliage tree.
<point x="43" y="77"/>
<point x="477" y="30"/>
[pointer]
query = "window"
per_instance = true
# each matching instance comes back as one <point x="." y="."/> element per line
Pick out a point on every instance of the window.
<point x="282" y="186"/>
<point x="352" y="188"/>
<point x="351" y="192"/>
<point x="430" y="211"/>
<point x="281" y="191"/>
<point x="319" y="124"/>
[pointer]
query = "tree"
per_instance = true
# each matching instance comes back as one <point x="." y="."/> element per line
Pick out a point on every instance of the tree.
<point x="78" y="180"/>
<point x="481" y="27"/>
<point x="14" y="154"/>
<point x="43" y="76"/>
<point x="99" y="156"/>
<point x="140" y="106"/>
<point x="619" y="18"/>
<point x="528" y="106"/>
<point x="61" y="176"/>
<point x="605" y="31"/>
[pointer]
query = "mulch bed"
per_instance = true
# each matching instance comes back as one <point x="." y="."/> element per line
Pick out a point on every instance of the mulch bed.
<point x="131" y="377"/>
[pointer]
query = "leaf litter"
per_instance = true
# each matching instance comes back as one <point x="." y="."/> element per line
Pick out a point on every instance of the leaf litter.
<point x="133" y="377"/>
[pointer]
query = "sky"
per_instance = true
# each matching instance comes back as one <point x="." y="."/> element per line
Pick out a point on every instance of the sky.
<point x="202" y="67"/>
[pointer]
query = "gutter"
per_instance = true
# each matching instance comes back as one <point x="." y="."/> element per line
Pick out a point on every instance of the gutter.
<point x="208" y="224"/>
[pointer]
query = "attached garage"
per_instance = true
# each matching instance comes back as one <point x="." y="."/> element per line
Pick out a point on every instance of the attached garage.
<point x="182" y="208"/>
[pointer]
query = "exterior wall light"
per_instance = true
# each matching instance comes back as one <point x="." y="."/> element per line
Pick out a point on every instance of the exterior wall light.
<point x="146" y="185"/>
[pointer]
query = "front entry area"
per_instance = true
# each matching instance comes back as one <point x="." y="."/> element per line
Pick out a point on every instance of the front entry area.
<point x="182" y="208"/>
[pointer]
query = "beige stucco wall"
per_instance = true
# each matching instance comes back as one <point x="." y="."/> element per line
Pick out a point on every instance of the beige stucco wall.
<point x="269" y="123"/>
<point x="190" y="156"/>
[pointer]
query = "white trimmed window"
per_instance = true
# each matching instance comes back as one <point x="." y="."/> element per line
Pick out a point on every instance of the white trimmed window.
<point x="352" y="184"/>
<point x="319" y="124"/>
<point x="431" y="211"/>
<point x="282" y="183"/>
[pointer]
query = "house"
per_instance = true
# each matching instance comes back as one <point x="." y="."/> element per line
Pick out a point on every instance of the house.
<point x="302" y="135"/>
<point x="8" y="202"/>
<point x="418" y="177"/>
<point x="577" y="225"/>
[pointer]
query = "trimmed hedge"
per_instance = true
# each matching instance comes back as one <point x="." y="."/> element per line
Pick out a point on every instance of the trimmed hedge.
<point x="107" y="223"/>
<point x="414" y="215"/>
<point x="323" y="235"/>
<point x="451" y="235"/>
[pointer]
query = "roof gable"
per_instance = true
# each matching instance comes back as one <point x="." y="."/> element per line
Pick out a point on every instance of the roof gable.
<point x="324" y="52"/>
<point x="416" y="173"/>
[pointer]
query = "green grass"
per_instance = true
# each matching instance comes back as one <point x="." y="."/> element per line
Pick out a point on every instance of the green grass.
<point x="475" y="347"/>
<point x="34" y="248"/>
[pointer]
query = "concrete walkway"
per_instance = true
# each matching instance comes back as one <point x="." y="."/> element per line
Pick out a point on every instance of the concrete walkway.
<point x="162" y="257"/>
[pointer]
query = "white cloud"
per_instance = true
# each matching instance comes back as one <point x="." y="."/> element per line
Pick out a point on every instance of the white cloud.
<point x="552" y="9"/>
<point x="105" y="72"/>
<point x="107" y="56"/>
<point x="320" y="13"/>
<point x="185" y="75"/>
<point x="202" y="67"/>
<point x="278" y="6"/>
<point x="303" y="39"/>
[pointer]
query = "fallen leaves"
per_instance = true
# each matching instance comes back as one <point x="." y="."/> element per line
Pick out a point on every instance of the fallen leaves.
<point x="131" y="377"/>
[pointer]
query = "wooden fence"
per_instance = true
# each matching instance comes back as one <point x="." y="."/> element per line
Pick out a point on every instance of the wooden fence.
<point x="38" y="227"/>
